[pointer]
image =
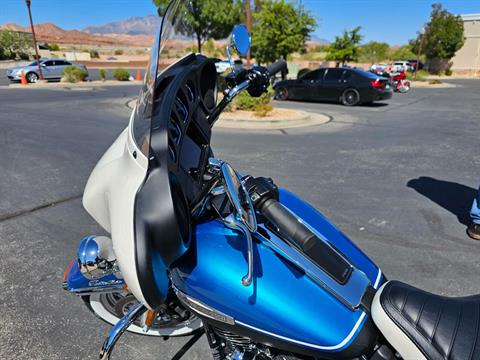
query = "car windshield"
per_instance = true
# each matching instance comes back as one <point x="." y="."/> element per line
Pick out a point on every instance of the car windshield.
<point x="175" y="40"/>
<point x="35" y="63"/>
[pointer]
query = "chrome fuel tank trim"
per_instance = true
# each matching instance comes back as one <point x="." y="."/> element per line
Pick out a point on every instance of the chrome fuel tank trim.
<point x="350" y="294"/>
<point x="202" y="309"/>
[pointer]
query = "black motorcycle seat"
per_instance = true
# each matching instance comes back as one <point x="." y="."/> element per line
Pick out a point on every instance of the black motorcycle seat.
<point x="439" y="327"/>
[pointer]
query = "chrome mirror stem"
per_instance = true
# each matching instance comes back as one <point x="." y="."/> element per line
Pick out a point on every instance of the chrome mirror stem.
<point x="119" y="329"/>
<point x="229" y="56"/>
<point x="232" y="222"/>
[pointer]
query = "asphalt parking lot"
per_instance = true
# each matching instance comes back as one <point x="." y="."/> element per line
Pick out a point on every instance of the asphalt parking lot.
<point x="397" y="177"/>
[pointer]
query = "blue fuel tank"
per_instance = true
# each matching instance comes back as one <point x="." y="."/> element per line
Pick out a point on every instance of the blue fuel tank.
<point x="290" y="303"/>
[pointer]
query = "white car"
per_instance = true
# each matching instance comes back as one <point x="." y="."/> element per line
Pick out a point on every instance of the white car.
<point x="52" y="69"/>
<point x="379" y="67"/>
<point x="401" y="66"/>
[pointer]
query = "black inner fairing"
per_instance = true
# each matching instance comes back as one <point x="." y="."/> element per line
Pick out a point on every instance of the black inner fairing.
<point x="179" y="151"/>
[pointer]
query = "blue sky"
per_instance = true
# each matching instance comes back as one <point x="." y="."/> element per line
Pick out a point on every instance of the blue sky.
<point x="383" y="20"/>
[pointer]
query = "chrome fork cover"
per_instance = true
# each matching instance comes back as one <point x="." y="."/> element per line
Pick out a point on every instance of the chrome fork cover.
<point x="119" y="329"/>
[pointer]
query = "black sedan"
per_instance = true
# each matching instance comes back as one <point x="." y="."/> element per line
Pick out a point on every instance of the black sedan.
<point x="346" y="85"/>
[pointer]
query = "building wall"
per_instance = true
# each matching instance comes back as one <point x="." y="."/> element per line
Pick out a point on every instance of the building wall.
<point x="468" y="57"/>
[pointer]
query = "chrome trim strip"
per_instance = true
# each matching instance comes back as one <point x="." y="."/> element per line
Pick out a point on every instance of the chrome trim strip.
<point x="315" y="346"/>
<point x="349" y="294"/>
<point x="202" y="309"/>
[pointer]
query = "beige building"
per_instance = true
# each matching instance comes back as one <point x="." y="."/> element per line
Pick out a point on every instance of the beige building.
<point x="467" y="59"/>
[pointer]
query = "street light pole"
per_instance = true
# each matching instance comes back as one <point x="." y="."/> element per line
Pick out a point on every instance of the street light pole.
<point x="249" y="26"/>
<point x="422" y="35"/>
<point x="40" y="74"/>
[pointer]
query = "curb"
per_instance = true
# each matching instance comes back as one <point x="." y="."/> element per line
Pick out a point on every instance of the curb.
<point x="307" y="119"/>
<point x="427" y="85"/>
<point x="131" y="103"/>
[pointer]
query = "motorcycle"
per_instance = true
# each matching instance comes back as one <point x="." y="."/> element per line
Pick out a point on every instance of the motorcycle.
<point x="198" y="247"/>
<point x="400" y="82"/>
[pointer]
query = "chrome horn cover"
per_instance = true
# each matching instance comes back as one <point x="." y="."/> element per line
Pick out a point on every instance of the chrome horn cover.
<point x="96" y="258"/>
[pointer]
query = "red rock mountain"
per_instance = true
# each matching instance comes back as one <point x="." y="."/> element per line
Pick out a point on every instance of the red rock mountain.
<point x="51" y="33"/>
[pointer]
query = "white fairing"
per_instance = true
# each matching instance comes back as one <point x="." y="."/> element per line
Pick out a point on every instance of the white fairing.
<point x="394" y="335"/>
<point x="109" y="198"/>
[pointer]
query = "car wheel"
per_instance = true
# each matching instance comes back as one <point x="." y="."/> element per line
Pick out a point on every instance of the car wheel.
<point x="32" y="77"/>
<point x="350" y="97"/>
<point x="281" y="94"/>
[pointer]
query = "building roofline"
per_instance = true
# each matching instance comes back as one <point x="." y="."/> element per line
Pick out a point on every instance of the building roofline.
<point x="470" y="17"/>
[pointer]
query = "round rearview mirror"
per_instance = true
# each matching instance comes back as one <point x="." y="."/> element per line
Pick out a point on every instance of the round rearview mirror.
<point x="241" y="39"/>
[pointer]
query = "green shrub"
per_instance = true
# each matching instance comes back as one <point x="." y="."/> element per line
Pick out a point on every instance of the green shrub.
<point x="94" y="54"/>
<point x="121" y="74"/>
<point x="54" y="47"/>
<point x="118" y="52"/>
<point x="302" y="72"/>
<point x="259" y="105"/>
<point x="74" y="74"/>
<point x="262" y="110"/>
<point x="421" y="75"/>
<point x="448" y="72"/>
<point x="103" y="74"/>
<point x="24" y="56"/>
<point x="434" y="82"/>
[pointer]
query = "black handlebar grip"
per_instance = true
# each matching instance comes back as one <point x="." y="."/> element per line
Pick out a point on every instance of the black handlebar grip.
<point x="322" y="254"/>
<point x="288" y="224"/>
<point x="276" y="67"/>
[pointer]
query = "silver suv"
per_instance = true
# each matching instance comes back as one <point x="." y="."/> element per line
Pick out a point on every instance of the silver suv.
<point x="52" y="69"/>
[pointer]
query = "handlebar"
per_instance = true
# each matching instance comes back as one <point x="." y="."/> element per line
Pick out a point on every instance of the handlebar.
<point x="276" y="67"/>
<point x="288" y="224"/>
<point x="255" y="80"/>
<point x="322" y="254"/>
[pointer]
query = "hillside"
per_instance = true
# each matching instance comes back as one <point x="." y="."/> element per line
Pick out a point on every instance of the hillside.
<point x="138" y="25"/>
<point x="51" y="33"/>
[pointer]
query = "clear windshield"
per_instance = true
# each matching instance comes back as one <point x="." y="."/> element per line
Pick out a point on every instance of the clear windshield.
<point x="175" y="39"/>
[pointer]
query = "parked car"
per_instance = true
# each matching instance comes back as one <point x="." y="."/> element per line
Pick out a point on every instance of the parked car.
<point x="52" y="69"/>
<point x="379" y="67"/>
<point x="413" y="64"/>
<point x="346" y="85"/>
<point x="400" y="66"/>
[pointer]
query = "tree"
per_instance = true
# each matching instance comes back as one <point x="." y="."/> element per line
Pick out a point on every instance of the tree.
<point x="54" y="47"/>
<point x="443" y="36"/>
<point x="13" y="43"/>
<point x="374" y="51"/>
<point x="207" y="19"/>
<point x="402" y="53"/>
<point x="279" y="29"/>
<point x="345" y="48"/>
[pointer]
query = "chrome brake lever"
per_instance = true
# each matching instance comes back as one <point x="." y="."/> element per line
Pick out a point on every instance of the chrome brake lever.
<point x="233" y="223"/>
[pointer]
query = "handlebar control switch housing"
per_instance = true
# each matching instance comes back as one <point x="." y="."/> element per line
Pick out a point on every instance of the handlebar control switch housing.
<point x="259" y="81"/>
<point x="260" y="190"/>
